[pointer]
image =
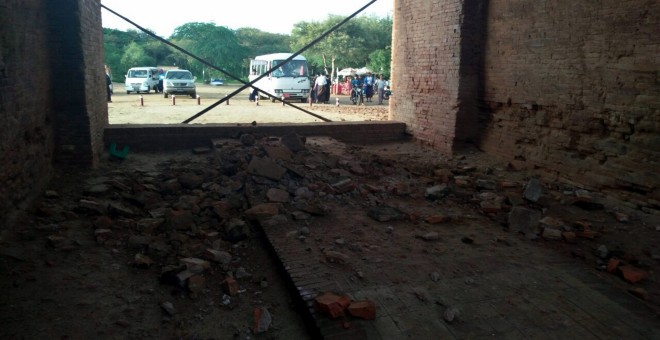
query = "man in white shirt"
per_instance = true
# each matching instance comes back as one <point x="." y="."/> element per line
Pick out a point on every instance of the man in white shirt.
<point x="321" y="81"/>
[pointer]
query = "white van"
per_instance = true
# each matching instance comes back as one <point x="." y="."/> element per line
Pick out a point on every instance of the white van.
<point x="290" y="80"/>
<point x="141" y="79"/>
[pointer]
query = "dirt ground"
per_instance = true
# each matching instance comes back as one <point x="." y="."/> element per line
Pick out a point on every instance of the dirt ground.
<point x="155" y="109"/>
<point x="106" y="253"/>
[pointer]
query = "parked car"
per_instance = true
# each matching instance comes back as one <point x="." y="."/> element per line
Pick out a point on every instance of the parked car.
<point x="217" y="82"/>
<point x="141" y="79"/>
<point x="179" y="82"/>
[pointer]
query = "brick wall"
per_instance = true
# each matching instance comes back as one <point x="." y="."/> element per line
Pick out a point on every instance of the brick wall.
<point x="425" y="69"/>
<point x="77" y="61"/>
<point x="52" y="99"/>
<point x="187" y="136"/>
<point x="568" y="87"/>
<point x="573" y="87"/>
<point x="26" y="117"/>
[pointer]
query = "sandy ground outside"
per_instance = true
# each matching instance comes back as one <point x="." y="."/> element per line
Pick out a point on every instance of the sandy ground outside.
<point x="127" y="108"/>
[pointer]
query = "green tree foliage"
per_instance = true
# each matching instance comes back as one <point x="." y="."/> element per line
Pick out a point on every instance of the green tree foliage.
<point x="257" y="42"/>
<point x="352" y="45"/>
<point x="215" y="44"/>
<point x="362" y="41"/>
<point x="379" y="61"/>
<point x="137" y="55"/>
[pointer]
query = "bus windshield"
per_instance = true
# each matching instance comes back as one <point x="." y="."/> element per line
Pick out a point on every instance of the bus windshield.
<point x="294" y="68"/>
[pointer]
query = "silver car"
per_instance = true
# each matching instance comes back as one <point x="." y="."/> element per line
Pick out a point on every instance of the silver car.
<point x="179" y="82"/>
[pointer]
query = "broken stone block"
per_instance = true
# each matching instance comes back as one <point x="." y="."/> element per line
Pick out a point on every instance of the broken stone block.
<point x="331" y="304"/>
<point x="639" y="292"/>
<point x="93" y="206"/>
<point x="332" y="256"/>
<point x="431" y="236"/>
<point x="190" y="181"/>
<point x="168" y="307"/>
<point x="602" y="251"/>
<point x="533" y="190"/>
<point x="613" y="264"/>
<point x="386" y="213"/>
<point x="524" y="220"/>
<point x="491" y="206"/>
<point x="262" y="320"/>
<point x="633" y="274"/>
<point x="230" y="286"/>
<point x="179" y="220"/>
<point x="201" y="150"/>
<point x="264" y="210"/>
<point x="551" y="234"/>
<point x="196" y="283"/>
<point x="218" y="256"/>
<point x="362" y="309"/>
<point x="278" y="152"/>
<point x="436" y="219"/>
<point x="247" y="139"/>
<point x="486" y="184"/>
<point x="621" y="217"/>
<point x="142" y="261"/>
<point x="569" y="236"/>
<point x="102" y="235"/>
<point x="266" y="168"/>
<point x="195" y="265"/>
<point x="277" y="195"/>
<point x="343" y="185"/>
<point x="451" y="314"/>
<point x="436" y="192"/>
<point x="294" y="142"/>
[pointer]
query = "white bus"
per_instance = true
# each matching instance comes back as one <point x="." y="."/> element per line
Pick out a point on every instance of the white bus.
<point x="290" y="81"/>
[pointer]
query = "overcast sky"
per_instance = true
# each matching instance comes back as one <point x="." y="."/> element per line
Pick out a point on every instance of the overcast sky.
<point x="163" y="16"/>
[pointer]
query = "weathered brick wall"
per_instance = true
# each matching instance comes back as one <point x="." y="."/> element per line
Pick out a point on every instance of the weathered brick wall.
<point x="77" y="63"/>
<point x="26" y="117"/>
<point x="574" y="87"/>
<point x="52" y="99"/>
<point x="425" y="72"/>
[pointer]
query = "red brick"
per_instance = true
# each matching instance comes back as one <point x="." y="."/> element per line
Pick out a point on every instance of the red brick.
<point x="633" y="274"/>
<point x="435" y="219"/>
<point x="230" y="286"/>
<point x="363" y="309"/>
<point x="331" y="304"/>
<point x="612" y="265"/>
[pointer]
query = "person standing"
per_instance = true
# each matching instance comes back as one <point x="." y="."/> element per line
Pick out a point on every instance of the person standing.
<point x="380" y="86"/>
<point x="369" y="86"/>
<point x="321" y="81"/>
<point x="108" y="84"/>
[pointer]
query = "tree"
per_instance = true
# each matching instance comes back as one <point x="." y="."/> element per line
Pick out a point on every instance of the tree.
<point x="216" y="44"/>
<point x="257" y="42"/>
<point x="380" y="60"/>
<point x="135" y="55"/>
<point x="349" y="46"/>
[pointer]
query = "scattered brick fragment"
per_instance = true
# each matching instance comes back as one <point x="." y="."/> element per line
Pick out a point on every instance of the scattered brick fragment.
<point x="362" y="309"/>
<point x="633" y="274"/>
<point x="331" y="304"/>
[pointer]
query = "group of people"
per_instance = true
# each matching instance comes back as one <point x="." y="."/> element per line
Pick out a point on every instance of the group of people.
<point x="368" y="83"/>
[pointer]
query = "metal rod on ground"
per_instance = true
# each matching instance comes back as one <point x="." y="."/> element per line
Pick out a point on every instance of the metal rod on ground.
<point x="199" y="100"/>
<point x="173" y="100"/>
<point x="141" y="100"/>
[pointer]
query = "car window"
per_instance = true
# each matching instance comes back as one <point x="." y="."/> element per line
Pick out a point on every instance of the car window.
<point x="179" y="75"/>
